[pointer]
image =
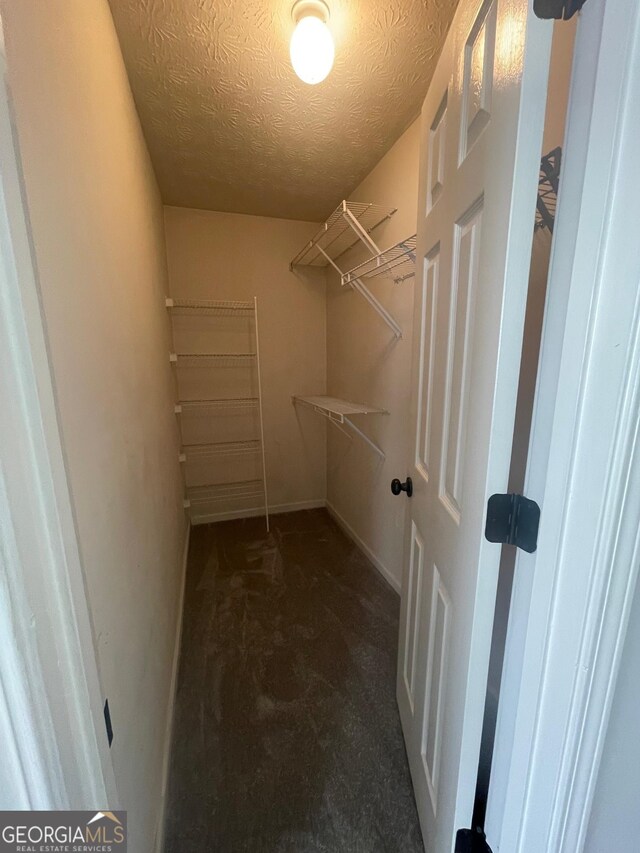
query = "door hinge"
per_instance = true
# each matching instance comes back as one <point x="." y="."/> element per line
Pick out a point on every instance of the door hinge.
<point x="107" y="722"/>
<point x="513" y="520"/>
<point x="471" y="841"/>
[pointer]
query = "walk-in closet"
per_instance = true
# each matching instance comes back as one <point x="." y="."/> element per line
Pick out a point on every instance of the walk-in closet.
<point x="291" y="263"/>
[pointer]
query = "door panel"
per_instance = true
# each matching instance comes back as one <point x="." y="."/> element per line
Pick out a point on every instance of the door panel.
<point x="482" y="127"/>
<point x="416" y="567"/>
<point x="439" y="621"/>
<point x="479" y="55"/>
<point x="466" y="244"/>
<point x="429" y="300"/>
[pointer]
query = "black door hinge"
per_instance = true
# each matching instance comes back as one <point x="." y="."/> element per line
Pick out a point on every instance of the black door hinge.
<point x="471" y="841"/>
<point x="107" y="722"/>
<point x="557" y="8"/>
<point x="513" y="520"/>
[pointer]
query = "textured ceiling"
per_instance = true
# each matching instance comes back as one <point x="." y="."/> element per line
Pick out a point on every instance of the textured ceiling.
<point x="230" y="126"/>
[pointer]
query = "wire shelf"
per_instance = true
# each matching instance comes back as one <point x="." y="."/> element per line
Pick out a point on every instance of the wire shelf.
<point x="338" y="234"/>
<point x="398" y="262"/>
<point x="339" y="413"/>
<point x="337" y="409"/>
<point x="193" y="452"/>
<point x="203" y="306"/>
<point x="548" y="189"/>
<point x="206" y="407"/>
<point x="225" y="491"/>
<point x="211" y="359"/>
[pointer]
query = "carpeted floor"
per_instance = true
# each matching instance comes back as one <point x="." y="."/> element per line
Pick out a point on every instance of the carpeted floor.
<point x="287" y="737"/>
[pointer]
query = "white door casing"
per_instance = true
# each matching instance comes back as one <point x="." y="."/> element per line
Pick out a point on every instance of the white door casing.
<point x="51" y="715"/>
<point x="482" y="125"/>
<point x="572" y="598"/>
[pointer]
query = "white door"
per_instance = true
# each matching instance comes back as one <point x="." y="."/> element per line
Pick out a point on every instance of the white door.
<point x="482" y="125"/>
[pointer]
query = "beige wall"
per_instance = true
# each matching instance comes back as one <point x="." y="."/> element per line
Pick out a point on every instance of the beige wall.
<point x="367" y="365"/>
<point x="233" y="256"/>
<point x="97" y="227"/>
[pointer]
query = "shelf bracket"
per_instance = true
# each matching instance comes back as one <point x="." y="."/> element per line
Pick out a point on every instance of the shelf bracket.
<point x="341" y="419"/>
<point x="365" y="438"/>
<point x="361" y="232"/>
<point x="337" y="424"/>
<point x="364" y="291"/>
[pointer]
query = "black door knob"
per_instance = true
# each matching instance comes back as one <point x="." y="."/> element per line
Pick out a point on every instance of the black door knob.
<point x="407" y="486"/>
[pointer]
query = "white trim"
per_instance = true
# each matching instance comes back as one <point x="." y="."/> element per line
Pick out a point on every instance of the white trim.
<point x="377" y="562"/>
<point x="168" y="737"/>
<point x="49" y="672"/>
<point x="572" y="598"/>
<point x="254" y="512"/>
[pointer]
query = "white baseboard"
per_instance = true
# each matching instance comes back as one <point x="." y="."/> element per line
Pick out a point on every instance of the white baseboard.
<point x="380" y="566"/>
<point x="257" y="511"/>
<point x="159" y="840"/>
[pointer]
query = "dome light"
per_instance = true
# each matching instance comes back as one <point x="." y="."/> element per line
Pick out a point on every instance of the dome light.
<point x="311" y="49"/>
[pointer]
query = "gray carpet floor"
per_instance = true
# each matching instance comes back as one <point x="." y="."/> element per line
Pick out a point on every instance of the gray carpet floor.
<point x="287" y="737"/>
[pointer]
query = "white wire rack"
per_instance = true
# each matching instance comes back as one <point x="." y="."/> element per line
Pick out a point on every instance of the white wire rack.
<point x="208" y="359"/>
<point x="397" y="262"/>
<point x="350" y="223"/>
<point x="339" y="412"/>
<point x="203" y="306"/>
<point x="205" y="408"/>
<point x="210" y="407"/>
<point x="338" y="234"/>
<point x="193" y="452"/>
<point x="548" y="184"/>
<point x="224" y="491"/>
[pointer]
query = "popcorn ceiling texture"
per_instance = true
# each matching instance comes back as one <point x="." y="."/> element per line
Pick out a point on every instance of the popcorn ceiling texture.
<point x="229" y="125"/>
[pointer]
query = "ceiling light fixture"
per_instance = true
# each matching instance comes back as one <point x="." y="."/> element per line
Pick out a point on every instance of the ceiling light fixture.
<point x="311" y="47"/>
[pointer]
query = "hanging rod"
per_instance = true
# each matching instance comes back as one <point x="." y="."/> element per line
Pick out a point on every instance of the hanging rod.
<point x="203" y="306"/>
<point x="339" y="412"/>
<point x="397" y="262"/>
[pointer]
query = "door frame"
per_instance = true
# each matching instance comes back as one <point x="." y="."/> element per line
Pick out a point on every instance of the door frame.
<point x="51" y="708"/>
<point x="571" y="599"/>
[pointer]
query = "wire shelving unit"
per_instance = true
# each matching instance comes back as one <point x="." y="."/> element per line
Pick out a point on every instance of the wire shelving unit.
<point x="397" y="262"/>
<point x="339" y="413"/>
<point x="350" y="223"/>
<point x="205" y="502"/>
<point x="342" y="230"/>
<point x="548" y="183"/>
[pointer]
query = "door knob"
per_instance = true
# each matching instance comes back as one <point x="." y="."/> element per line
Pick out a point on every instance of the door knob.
<point x="407" y="486"/>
